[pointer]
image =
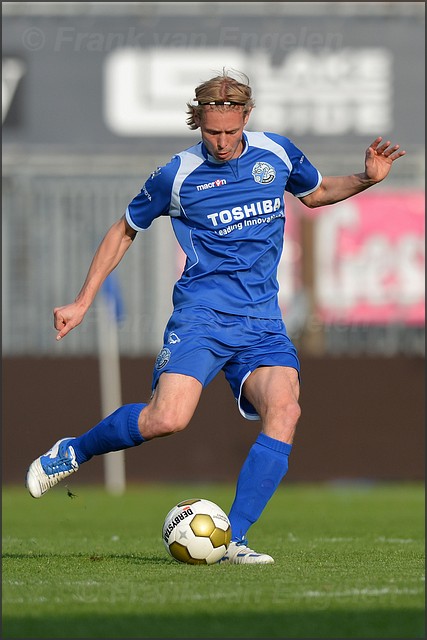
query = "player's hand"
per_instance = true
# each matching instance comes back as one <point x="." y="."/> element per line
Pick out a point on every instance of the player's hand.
<point x="67" y="317"/>
<point x="379" y="157"/>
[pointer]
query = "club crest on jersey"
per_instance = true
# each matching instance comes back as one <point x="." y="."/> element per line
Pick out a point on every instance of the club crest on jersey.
<point x="263" y="173"/>
<point x="163" y="358"/>
<point x="173" y="338"/>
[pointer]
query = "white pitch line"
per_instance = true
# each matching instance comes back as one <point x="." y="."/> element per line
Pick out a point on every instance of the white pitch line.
<point x="360" y="592"/>
<point x="396" y="540"/>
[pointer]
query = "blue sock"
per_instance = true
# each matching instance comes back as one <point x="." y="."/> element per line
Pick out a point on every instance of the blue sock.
<point x="117" y="431"/>
<point x="262" y="471"/>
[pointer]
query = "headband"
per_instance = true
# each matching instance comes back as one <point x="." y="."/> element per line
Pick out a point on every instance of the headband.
<point x="217" y="102"/>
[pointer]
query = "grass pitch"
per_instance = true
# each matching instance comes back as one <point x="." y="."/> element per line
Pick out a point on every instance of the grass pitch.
<point x="349" y="564"/>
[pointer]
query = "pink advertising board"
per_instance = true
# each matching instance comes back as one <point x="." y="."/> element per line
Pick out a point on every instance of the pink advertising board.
<point x="369" y="254"/>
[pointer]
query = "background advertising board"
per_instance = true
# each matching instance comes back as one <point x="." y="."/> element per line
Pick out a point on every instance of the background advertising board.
<point x="370" y="259"/>
<point x="104" y="82"/>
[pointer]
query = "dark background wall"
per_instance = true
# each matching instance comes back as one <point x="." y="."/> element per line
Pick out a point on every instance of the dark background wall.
<point x="363" y="418"/>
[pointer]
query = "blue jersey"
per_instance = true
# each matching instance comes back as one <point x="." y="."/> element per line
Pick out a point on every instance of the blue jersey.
<point x="229" y="219"/>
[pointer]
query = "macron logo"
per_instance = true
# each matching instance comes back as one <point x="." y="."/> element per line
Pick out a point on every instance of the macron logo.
<point x="210" y="185"/>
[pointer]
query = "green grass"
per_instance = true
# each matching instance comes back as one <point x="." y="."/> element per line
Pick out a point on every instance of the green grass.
<point x="349" y="564"/>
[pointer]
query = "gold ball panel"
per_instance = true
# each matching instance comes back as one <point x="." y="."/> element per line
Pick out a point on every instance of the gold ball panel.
<point x="181" y="554"/>
<point x="220" y="537"/>
<point x="202" y="525"/>
<point x="185" y="502"/>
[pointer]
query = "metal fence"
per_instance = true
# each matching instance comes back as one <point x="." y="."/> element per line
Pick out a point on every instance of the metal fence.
<point x="51" y="228"/>
<point x="56" y="211"/>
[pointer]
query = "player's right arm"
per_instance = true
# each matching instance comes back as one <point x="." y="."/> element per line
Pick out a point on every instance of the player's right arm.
<point x="111" y="250"/>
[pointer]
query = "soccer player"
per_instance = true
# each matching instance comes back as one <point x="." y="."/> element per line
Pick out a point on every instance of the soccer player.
<point x="225" y="199"/>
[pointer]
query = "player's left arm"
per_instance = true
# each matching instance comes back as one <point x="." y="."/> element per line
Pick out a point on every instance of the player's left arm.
<point x="379" y="157"/>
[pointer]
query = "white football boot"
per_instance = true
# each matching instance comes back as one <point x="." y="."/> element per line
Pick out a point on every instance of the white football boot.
<point x="47" y="470"/>
<point x="240" y="553"/>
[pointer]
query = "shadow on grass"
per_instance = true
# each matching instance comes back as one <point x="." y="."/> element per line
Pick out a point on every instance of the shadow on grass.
<point x="342" y="623"/>
<point x="135" y="558"/>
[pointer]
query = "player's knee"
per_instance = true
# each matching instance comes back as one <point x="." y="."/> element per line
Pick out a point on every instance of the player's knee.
<point x="281" y="421"/>
<point x="293" y="412"/>
<point x="162" y="423"/>
<point x="289" y="413"/>
<point x="282" y="412"/>
<point x="290" y="416"/>
<point x="172" y="422"/>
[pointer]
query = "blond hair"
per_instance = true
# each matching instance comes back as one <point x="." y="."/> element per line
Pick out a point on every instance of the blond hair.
<point x="221" y="92"/>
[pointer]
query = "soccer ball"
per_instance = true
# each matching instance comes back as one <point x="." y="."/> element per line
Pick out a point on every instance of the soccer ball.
<point x="196" y="531"/>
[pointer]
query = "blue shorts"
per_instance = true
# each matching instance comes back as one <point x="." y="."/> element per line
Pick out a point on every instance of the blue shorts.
<point x="200" y="342"/>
